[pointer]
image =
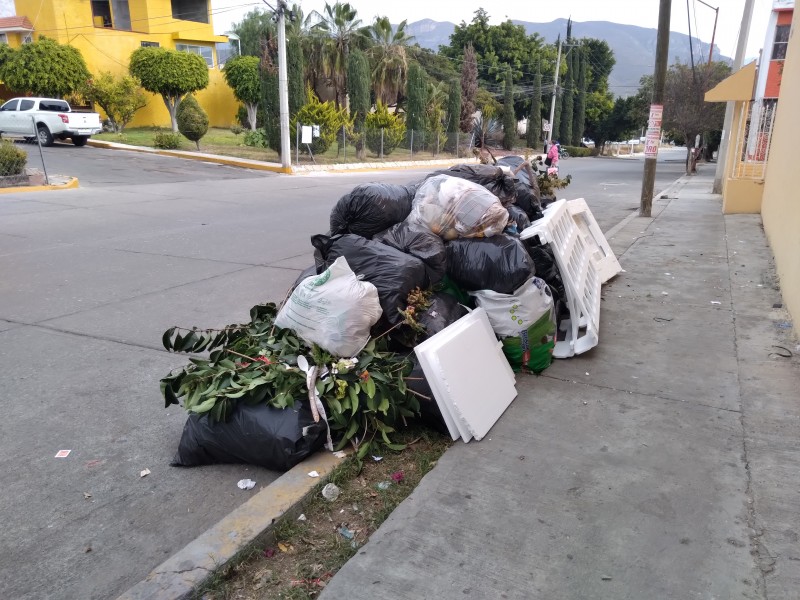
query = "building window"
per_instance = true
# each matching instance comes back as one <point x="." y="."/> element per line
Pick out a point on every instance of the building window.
<point x="205" y="51"/>
<point x="781" y="41"/>
<point x="150" y="44"/>
<point x="190" y="10"/>
<point x="101" y="13"/>
<point x="27" y="39"/>
<point x="3" y="38"/>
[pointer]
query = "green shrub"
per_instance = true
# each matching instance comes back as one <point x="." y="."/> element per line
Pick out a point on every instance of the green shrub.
<point x="236" y="129"/>
<point x="394" y="130"/>
<point x="256" y="139"/>
<point x="192" y="120"/>
<point x="578" y="151"/>
<point x="325" y="115"/>
<point x="12" y="159"/>
<point x="167" y="140"/>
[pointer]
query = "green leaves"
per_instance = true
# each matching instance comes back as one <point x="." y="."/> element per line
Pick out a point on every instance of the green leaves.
<point x="256" y="362"/>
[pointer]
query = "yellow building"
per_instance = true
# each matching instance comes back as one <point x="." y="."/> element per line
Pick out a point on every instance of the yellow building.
<point x="107" y="31"/>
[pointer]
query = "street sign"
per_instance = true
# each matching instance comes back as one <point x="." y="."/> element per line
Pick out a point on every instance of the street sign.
<point x="546" y="127"/>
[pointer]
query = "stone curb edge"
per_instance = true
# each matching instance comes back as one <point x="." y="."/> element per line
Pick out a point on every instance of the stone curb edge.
<point x="69" y="185"/>
<point x="178" y="577"/>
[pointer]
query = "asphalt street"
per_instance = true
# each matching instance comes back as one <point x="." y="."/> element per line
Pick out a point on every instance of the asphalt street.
<point x="90" y="278"/>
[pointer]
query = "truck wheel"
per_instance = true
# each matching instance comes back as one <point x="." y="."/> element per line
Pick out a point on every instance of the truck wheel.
<point x="45" y="137"/>
<point x="80" y="140"/>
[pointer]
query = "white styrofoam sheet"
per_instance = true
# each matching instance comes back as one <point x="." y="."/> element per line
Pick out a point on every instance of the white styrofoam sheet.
<point x="470" y="377"/>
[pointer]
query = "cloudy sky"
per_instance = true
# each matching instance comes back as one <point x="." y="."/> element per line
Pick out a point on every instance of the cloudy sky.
<point x="634" y="12"/>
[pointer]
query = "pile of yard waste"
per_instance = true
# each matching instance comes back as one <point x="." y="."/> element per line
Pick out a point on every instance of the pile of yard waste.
<point x="401" y="267"/>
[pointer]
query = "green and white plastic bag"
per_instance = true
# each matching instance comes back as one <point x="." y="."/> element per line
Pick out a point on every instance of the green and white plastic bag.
<point x="525" y="323"/>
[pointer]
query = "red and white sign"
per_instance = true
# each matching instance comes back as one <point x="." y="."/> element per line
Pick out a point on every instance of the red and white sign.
<point x="653" y="131"/>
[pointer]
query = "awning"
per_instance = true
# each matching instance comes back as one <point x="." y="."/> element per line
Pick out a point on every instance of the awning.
<point x="738" y="86"/>
<point x="194" y="36"/>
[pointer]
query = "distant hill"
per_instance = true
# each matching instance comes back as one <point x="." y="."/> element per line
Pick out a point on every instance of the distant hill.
<point x="634" y="47"/>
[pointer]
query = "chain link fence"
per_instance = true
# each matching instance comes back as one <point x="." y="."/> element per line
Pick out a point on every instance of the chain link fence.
<point x="378" y="145"/>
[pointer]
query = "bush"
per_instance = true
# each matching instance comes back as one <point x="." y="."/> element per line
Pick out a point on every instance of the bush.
<point x="578" y="151"/>
<point x="236" y="129"/>
<point x="256" y="139"/>
<point x="192" y="120"/>
<point x="12" y="159"/>
<point x="394" y="130"/>
<point x="167" y="140"/>
<point x="325" y="115"/>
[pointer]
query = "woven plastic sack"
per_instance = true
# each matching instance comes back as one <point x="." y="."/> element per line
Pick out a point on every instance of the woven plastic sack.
<point x="453" y="208"/>
<point x="525" y="323"/>
<point x="333" y="310"/>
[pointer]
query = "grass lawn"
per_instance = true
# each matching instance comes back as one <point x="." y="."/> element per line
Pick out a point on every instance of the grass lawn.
<point x="224" y="142"/>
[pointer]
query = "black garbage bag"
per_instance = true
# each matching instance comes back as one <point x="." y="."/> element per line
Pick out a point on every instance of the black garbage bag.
<point x="519" y="216"/>
<point x="498" y="263"/>
<point x="419" y="242"/>
<point x="528" y="196"/>
<point x="493" y="178"/>
<point x="429" y="411"/>
<point x="256" y="434"/>
<point x="370" y="208"/>
<point x="547" y="269"/>
<point x="392" y="272"/>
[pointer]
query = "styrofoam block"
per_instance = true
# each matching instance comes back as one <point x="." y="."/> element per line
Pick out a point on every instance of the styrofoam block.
<point x="603" y="257"/>
<point x="580" y="276"/>
<point x="470" y="377"/>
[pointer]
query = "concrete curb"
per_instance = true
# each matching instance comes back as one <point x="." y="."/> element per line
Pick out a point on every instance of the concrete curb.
<point x="179" y="576"/>
<point x="71" y="184"/>
<point x="258" y="165"/>
<point x="616" y="228"/>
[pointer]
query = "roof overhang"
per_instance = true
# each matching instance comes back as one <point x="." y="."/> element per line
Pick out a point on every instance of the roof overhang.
<point x="736" y="87"/>
<point x="15" y="30"/>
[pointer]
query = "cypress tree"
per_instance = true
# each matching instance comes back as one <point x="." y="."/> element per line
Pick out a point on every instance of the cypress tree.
<point x="295" y="68"/>
<point x="509" y="118"/>
<point x="453" y="113"/>
<point x="567" y="103"/>
<point x="469" y="87"/>
<point x="534" y="134"/>
<point x="417" y="94"/>
<point x="579" y="118"/>
<point x="358" y="84"/>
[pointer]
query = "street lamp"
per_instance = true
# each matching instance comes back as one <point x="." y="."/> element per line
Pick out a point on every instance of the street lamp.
<point x="233" y="36"/>
<point x="714" y="34"/>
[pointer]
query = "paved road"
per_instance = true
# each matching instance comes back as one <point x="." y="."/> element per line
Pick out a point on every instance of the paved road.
<point x="90" y="279"/>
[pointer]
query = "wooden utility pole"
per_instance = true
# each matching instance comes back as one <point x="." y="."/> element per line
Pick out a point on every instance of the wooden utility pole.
<point x="656" y="109"/>
<point x="555" y="93"/>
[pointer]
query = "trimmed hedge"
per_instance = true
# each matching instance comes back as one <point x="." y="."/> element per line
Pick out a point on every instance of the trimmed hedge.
<point x="12" y="159"/>
<point x="578" y="151"/>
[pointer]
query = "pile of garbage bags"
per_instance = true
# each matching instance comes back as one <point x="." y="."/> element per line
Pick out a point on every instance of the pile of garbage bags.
<point x="404" y="262"/>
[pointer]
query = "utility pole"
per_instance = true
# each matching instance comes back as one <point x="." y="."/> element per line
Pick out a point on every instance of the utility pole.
<point x="283" y="88"/>
<point x="656" y="109"/>
<point x="741" y="47"/>
<point x="714" y="32"/>
<point x="555" y="93"/>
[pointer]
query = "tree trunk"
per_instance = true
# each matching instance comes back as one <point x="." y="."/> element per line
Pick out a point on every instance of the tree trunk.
<point x="172" y="103"/>
<point x="252" y="110"/>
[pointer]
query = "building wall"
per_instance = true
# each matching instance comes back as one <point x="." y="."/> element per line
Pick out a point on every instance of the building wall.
<point x="105" y="49"/>
<point x="780" y="209"/>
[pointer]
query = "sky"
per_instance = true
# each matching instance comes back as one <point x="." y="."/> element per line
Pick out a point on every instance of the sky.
<point x="643" y="13"/>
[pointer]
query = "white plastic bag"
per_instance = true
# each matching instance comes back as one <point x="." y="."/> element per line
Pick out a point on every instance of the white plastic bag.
<point x="334" y="310"/>
<point x="510" y="314"/>
<point x="452" y="207"/>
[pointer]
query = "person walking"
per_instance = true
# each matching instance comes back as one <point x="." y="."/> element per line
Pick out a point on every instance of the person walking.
<point x="552" y="155"/>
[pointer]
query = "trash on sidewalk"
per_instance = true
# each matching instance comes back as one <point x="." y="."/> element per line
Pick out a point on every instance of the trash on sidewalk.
<point x="246" y="484"/>
<point x="313" y="474"/>
<point x="144" y="473"/>
<point x="384" y="485"/>
<point x="331" y="492"/>
<point x="401" y="268"/>
<point x="63" y="453"/>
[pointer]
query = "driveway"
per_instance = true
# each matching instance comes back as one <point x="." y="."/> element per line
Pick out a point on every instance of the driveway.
<point x="91" y="277"/>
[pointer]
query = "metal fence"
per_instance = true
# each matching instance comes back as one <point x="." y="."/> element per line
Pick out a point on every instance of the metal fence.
<point x="753" y="139"/>
<point x="377" y="145"/>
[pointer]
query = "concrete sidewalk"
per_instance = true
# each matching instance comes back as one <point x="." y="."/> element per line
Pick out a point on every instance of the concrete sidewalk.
<point x="662" y="464"/>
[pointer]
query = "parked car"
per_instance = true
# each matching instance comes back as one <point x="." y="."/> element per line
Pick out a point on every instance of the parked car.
<point x="53" y="118"/>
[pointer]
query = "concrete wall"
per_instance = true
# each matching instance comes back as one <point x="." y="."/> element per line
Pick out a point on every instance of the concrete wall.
<point x="105" y="49"/>
<point x="780" y="209"/>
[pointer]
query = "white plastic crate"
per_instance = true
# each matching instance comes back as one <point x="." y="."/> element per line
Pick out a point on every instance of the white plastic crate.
<point x="603" y="257"/>
<point x="580" y="276"/>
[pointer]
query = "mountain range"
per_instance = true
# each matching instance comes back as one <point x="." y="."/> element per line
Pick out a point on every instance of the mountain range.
<point x="634" y="47"/>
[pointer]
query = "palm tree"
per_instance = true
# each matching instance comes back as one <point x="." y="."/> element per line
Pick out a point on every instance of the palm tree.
<point x="341" y="29"/>
<point x="389" y="58"/>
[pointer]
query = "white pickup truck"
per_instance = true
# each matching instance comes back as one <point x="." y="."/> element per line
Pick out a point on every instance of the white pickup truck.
<point x="54" y="119"/>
